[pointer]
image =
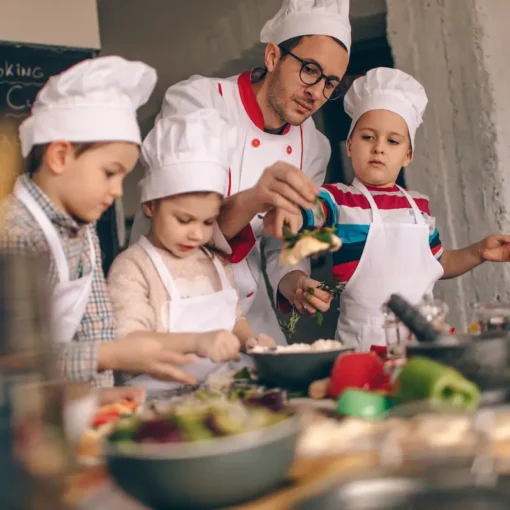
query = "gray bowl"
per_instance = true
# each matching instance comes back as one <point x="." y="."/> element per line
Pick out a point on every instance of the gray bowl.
<point x="209" y="474"/>
<point x="295" y="370"/>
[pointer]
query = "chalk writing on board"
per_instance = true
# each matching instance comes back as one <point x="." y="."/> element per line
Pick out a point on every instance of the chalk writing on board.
<point x="17" y="70"/>
<point x="24" y="69"/>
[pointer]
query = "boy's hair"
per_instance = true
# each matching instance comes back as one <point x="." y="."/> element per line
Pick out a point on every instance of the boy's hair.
<point x="34" y="160"/>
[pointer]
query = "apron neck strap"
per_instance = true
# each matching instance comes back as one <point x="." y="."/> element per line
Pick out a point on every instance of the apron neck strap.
<point x="376" y="215"/>
<point x="49" y="230"/>
<point x="161" y="268"/>
<point x="417" y="213"/>
<point x="225" y="284"/>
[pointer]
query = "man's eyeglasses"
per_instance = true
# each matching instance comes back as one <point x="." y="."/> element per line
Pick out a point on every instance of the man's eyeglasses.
<point x="311" y="74"/>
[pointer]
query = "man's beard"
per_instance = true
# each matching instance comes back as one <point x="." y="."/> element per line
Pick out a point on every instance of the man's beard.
<point x="276" y="99"/>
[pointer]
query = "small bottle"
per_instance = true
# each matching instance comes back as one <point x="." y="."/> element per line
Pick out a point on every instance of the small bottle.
<point x="396" y="335"/>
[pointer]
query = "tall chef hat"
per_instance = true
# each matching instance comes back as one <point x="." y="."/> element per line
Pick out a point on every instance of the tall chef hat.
<point x="187" y="153"/>
<point x="309" y="17"/>
<point x="387" y="89"/>
<point x="95" y="100"/>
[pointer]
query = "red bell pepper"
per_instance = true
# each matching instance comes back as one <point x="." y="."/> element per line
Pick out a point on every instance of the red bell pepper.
<point x="359" y="371"/>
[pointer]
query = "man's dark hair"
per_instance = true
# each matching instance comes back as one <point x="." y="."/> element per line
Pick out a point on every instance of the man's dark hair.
<point x="35" y="158"/>
<point x="290" y="44"/>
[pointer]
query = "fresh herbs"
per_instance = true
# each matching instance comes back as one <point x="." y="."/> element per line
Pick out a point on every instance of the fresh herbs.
<point x="334" y="291"/>
<point x="289" y="327"/>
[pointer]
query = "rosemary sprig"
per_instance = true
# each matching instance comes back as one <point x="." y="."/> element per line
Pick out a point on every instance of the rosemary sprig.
<point x="334" y="291"/>
<point x="290" y="326"/>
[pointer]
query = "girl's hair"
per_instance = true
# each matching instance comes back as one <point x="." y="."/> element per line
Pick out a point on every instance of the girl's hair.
<point x="34" y="160"/>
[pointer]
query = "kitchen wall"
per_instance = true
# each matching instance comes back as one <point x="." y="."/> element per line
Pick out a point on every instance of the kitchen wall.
<point x="463" y="149"/>
<point x="70" y="23"/>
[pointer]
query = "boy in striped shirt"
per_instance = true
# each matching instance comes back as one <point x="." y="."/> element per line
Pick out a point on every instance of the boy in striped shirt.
<point x="390" y="240"/>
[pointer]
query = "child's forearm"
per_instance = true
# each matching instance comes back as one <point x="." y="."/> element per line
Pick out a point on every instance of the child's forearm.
<point x="458" y="262"/>
<point x="244" y="332"/>
<point x="110" y="355"/>
<point x="322" y="215"/>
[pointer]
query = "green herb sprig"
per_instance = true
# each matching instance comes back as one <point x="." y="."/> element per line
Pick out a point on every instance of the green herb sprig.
<point x="289" y="327"/>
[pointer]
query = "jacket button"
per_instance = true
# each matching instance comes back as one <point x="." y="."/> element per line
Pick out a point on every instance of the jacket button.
<point x="250" y="294"/>
<point x="255" y="142"/>
<point x="289" y="149"/>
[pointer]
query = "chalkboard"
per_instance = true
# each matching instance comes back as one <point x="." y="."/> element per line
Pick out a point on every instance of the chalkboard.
<point x="24" y="69"/>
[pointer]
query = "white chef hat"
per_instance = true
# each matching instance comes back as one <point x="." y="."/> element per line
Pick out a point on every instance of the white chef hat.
<point x="384" y="88"/>
<point x="95" y="100"/>
<point x="187" y="153"/>
<point x="309" y="17"/>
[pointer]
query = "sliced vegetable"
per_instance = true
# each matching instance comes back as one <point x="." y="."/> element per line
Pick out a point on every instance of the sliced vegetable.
<point x="308" y="243"/>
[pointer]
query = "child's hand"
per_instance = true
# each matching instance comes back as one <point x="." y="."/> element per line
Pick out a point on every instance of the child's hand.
<point x="495" y="248"/>
<point x="275" y="219"/>
<point x="262" y="340"/>
<point x="118" y="394"/>
<point x="218" y="346"/>
<point x="144" y="352"/>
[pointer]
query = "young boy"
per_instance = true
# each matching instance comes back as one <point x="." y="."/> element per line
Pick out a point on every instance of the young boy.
<point x="390" y="240"/>
<point x="80" y="141"/>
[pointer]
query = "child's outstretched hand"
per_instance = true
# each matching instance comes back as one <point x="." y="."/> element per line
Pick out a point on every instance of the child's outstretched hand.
<point x="495" y="248"/>
<point x="275" y="219"/>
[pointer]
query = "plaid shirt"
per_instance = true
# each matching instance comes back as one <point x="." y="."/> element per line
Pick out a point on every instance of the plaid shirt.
<point x="21" y="234"/>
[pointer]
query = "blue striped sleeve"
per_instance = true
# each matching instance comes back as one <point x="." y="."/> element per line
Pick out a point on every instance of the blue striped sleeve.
<point x="324" y="214"/>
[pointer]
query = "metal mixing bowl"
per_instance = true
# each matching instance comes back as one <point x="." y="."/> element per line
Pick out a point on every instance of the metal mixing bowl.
<point x="295" y="370"/>
<point x="207" y="474"/>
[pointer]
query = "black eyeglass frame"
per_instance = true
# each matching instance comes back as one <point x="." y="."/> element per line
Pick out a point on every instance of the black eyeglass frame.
<point x="336" y="91"/>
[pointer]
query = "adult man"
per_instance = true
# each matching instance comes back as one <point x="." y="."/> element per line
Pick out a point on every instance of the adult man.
<point x="280" y="157"/>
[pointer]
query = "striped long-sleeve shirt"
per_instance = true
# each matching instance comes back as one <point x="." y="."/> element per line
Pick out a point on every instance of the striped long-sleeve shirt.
<point x="346" y="208"/>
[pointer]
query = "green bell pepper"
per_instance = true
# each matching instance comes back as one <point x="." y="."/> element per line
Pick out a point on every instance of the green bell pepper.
<point x="425" y="379"/>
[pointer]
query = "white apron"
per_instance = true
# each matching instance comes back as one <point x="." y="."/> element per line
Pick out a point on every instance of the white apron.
<point x="198" y="314"/>
<point x="396" y="259"/>
<point x="69" y="297"/>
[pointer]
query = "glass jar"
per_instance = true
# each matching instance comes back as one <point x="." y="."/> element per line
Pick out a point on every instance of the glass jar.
<point x="492" y="316"/>
<point x="397" y="335"/>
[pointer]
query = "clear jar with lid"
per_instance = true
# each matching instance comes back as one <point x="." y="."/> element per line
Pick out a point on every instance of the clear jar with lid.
<point x="434" y="310"/>
<point x="397" y="335"/>
<point x="492" y="316"/>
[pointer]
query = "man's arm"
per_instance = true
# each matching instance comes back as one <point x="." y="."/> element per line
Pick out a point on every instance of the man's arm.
<point x="281" y="185"/>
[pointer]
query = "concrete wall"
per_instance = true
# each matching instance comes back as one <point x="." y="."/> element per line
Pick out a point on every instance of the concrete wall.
<point x="70" y="23"/>
<point x="460" y="55"/>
